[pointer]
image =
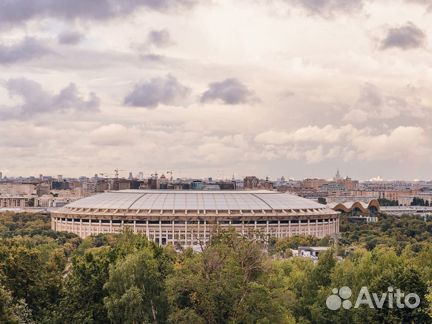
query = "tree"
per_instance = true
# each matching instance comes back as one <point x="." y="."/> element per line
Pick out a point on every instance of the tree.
<point x="7" y="314"/>
<point x="135" y="289"/>
<point x="83" y="294"/>
<point x="225" y="283"/>
<point x="32" y="271"/>
<point x="322" y="200"/>
<point x="11" y="312"/>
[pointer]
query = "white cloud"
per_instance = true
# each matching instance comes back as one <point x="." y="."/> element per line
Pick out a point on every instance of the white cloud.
<point x="349" y="143"/>
<point x="313" y="134"/>
<point x="402" y="143"/>
<point x="114" y="135"/>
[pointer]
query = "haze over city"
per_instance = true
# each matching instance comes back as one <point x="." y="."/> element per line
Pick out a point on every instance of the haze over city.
<point x="266" y="88"/>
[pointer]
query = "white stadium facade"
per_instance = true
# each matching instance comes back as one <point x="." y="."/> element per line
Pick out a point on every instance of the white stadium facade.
<point x="188" y="218"/>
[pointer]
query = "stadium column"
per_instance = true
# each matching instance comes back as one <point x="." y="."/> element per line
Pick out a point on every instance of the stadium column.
<point x="160" y="232"/>
<point x="289" y="228"/>
<point x="172" y="232"/>
<point x="134" y="226"/>
<point x="308" y="226"/>
<point x="198" y="238"/>
<point x="147" y="229"/>
<point x="278" y="234"/>
<point x="185" y="234"/>
<point x="205" y="232"/>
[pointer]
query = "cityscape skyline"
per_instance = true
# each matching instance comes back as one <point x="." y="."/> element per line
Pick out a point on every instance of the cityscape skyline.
<point x="217" y="87"/>
<point x="125" y="174"/>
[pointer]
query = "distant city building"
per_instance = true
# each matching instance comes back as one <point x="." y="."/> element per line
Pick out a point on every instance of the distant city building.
<point x="250" y="182"/>
<point x="314" y="183"/>
<point x="16" y="201"/>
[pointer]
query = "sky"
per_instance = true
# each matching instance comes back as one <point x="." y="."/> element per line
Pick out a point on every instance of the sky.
<point x="294" y="88"/>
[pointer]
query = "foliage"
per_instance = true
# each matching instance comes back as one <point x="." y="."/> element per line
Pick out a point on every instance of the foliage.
<point x="322" y="200"/>
<point x="48" y="277"/>
<point x="136" y="284"/>
<point x="389" y="231"/>
<point x="419" y="202"/>
<point x="387" y="202"/>
<point x="226" y="283"/>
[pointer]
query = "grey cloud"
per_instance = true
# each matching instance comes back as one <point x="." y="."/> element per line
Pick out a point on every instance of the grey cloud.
<point x="150" y="94"/>
<point x="230" y="91"/>
<point x="375" y="105"/>
<point x="29" y="48"/>
<point x="327" y="8"/>
<point x="35" y="100"/>
<point x="370" y="95"/>
<point x="19" y="11"/>
<point x="153" y="58"/>
<point x="159" y="38"/>
<point x="405" y="37"/>
<point x="70" y="38"/>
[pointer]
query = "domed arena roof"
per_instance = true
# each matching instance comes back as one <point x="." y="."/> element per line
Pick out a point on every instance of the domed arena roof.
<point x="165" y="200"/>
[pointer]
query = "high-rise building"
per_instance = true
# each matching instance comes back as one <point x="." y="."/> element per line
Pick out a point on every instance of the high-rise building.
<point x="251" y="182"/>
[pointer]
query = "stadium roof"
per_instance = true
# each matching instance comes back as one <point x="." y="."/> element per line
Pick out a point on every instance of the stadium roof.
<point x="195" y="200"/>
<point x="349" y="206"/>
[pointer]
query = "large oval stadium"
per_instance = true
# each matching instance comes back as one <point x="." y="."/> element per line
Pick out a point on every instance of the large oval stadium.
<point x="188" y="218"/>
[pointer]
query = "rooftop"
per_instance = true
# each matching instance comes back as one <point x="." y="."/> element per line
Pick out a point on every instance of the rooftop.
<point x="195" y="200"/>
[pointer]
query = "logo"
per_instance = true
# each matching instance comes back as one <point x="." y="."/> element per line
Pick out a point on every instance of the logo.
<point x="341" y="298"/>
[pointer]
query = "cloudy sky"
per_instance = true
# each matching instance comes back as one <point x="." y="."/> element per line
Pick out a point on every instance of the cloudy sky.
<point x="296" y="88"/>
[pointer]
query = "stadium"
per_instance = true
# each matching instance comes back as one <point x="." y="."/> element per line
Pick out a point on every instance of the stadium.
<point x="188" y="218"/>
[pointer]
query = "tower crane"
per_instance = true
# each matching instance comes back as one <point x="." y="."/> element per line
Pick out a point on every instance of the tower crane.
<point x="116" y="172"/>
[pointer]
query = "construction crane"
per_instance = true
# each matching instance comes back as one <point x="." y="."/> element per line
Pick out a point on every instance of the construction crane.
<point x="116" y="172"/>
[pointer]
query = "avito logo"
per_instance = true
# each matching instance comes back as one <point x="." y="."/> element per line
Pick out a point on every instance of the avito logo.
<point x="392" y="298"/>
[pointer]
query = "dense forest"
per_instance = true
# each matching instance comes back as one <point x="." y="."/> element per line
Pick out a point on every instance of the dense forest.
<point x="49" y="277"/>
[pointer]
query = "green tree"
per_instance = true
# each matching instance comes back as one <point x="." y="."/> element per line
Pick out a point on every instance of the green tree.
<point x="83" y="294"/>
<point x="7" y="314"/>
<point x="32" y="270"/>
<point x="322" y="200"/>
<point x="225" y="283"/>
<point x="135" y="289"/>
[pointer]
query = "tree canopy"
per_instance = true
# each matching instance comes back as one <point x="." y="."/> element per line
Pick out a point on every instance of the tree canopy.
<point x="48" y="277"/>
